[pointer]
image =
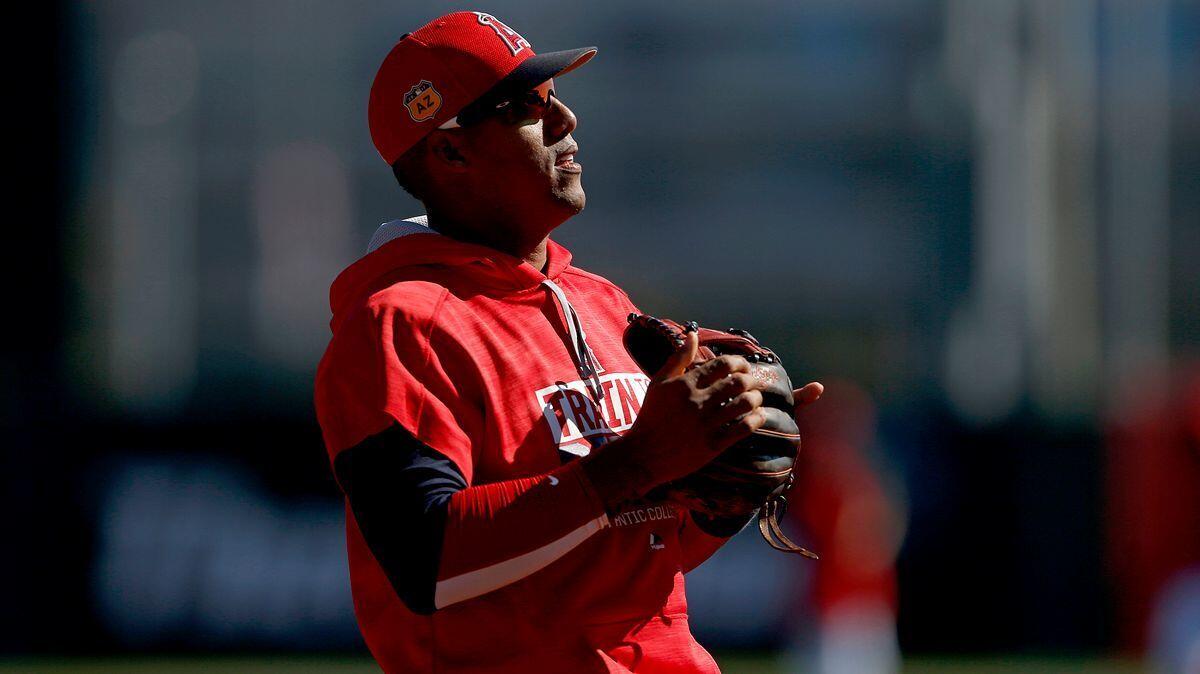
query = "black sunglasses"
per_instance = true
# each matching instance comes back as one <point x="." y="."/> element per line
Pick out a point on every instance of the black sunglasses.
<point x="525" y="108"/>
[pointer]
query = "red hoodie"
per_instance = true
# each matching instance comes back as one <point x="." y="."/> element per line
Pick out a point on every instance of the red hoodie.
<point x="474" y="353"/>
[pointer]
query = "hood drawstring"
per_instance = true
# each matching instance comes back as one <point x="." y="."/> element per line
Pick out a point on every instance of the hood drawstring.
<point x="585" y="359"/>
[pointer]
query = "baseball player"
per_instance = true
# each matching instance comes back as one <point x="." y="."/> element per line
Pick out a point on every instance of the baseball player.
<point x="493" y="438"/>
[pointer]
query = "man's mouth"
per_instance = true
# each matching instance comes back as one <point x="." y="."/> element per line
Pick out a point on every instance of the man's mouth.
<point x="566" y="161"/>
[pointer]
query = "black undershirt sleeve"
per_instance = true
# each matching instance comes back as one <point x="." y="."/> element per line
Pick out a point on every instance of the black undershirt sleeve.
<point x="399" y="489"/>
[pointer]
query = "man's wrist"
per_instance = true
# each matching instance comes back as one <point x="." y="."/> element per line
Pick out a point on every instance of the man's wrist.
<point x="614" y="477"/>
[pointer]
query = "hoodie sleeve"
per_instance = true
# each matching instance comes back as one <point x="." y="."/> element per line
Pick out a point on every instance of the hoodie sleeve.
<point x="399" y="418"/>
<point x="380" y="370"/>
<point x="700" y="538"/>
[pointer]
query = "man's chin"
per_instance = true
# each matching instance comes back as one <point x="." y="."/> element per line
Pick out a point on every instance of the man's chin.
<point x="571" y="201"/>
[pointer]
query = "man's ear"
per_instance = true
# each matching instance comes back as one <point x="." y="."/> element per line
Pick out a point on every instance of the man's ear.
<point x="447" y="151"/>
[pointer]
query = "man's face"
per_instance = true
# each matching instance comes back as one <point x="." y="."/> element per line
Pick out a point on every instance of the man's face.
<point x="524" y="166"/>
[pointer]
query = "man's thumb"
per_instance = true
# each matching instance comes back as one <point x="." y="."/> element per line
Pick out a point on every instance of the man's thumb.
<point x="678" y="362"/>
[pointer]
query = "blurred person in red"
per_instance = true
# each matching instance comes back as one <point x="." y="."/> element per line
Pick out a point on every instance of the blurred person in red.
<point x="856" y="526"/>
<point x="492" y="436"/>
<point x="1153" y="515"/>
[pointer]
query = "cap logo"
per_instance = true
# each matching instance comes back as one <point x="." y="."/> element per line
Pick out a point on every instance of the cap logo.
<point x="511" y="38"/>
<point x="422" y="101"/>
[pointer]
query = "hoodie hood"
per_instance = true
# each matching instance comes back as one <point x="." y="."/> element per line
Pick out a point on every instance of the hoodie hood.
<point x="409" y="243"/>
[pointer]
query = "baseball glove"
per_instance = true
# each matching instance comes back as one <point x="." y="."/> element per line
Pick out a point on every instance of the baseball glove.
<point x="754" y="474"/>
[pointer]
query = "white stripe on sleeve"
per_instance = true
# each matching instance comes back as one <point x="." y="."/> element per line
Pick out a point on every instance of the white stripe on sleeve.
<point x="482" y="581"/>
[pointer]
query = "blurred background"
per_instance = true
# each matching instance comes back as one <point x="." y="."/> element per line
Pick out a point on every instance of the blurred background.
<point x="977" y="222"/>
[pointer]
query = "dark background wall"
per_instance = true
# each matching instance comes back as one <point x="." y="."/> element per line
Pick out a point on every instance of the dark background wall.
<point x="984" y="216"/>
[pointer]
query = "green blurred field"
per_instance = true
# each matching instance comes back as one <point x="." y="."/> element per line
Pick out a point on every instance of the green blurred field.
<point x="730" y="663"/>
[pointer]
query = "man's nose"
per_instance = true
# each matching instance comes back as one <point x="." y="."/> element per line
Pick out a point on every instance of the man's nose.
<point x="558" y="122"/>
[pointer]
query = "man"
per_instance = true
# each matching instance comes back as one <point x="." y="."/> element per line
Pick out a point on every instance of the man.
<point x="493" y="438"/>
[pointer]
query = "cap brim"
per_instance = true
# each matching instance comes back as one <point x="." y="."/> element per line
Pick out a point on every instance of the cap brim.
<point x="537" y="69"/>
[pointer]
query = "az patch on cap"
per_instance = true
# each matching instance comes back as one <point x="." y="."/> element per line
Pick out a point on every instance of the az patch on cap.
<point x="422" y="101"/>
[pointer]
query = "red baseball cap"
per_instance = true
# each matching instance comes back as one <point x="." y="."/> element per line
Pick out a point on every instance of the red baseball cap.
<point x="434" y="72"/>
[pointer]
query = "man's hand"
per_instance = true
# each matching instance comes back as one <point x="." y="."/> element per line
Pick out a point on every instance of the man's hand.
<point x="807" y="394"/>
<point x="688" y="417"/>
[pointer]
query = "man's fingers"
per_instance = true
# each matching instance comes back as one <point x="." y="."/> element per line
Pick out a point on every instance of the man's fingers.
<point x="713" y="371"/>
<point x="740" y="428"/>
<point x="723" y="390"/>
<point x="808" y="394"/>
<point x="743" y="403"/>
<point x="679" y="361"/>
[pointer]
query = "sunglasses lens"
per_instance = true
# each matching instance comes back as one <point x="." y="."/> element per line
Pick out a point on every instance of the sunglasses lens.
<point x="545" y="90"/>
<point x="530" y="106"/>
